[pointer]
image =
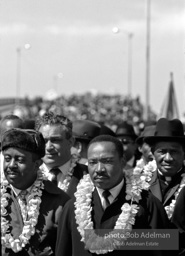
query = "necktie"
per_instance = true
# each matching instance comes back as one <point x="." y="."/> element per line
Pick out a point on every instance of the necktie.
<point x="106" y="194"/>
<point x="54" y="172"/>
<point x="22" y="196"/>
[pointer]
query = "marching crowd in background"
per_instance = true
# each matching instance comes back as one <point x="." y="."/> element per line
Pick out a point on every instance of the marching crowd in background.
<point x="76" y="167"/>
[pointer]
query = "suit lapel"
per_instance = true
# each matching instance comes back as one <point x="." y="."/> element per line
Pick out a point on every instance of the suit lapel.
<point x="175" y="186"/>
<point x="16" y="217"/>
<point x="74" y="181"/>
<point x="98" y="210"/>
<point x="107" y="219"/>
<point x="155" y="186"/>
<point x="171" y="193"/>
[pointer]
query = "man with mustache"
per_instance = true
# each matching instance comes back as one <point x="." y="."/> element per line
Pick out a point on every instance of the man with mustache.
<point x="104" y="200"/>
<point x="168" y="147"/>
<point x="59" y="165"/>
<point x="30" y="205"/>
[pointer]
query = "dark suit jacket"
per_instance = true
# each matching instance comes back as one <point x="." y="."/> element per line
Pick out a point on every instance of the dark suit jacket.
<point x="150" y="215"/>
<point x="44" y="239"/>
<point x="79" y="171"/>
<point x="178" y="219"/>
<point x="155" y="187"/>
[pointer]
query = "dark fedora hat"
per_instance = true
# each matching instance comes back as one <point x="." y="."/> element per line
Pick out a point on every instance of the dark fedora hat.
<point x="167" y="130"/>
<point x="147" y="132"/>
<point x="106" y="130"/>
<point x="85" y="129"/>
<point x="125" y="129"/>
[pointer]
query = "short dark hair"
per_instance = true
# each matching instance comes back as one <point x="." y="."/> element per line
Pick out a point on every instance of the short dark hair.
<point x="109" y="138"/>
<point x="12" y="117"/>
<point x="51" y="118"/>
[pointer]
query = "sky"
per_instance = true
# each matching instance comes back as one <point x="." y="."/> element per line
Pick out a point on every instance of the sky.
<point x="73" y="48"/>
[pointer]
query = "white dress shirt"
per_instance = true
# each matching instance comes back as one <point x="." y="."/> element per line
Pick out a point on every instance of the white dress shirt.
<point x="62" y="175"/>
<point x="113" y="191"/>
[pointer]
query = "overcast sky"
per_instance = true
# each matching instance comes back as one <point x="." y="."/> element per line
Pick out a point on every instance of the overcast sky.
<point x="75" y="38"/>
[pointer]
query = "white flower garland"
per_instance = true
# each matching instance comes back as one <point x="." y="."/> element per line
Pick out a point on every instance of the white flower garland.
<point x="142" y="174"/>
<point x="139" y="178"/>
<point x="83" y="219"/>
<point x="170" y="208"/>
<point x="65" y="184"/>
<point x="30" y="213"/>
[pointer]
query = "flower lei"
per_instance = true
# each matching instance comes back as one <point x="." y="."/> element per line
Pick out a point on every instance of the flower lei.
<point x="30" y="213"/>
<point x="170" y="208"/>
<point x="139" y="178"/>
<point x="65" y="184"/>
<point x="142" y="174"/>
<point x="93" y="242"/>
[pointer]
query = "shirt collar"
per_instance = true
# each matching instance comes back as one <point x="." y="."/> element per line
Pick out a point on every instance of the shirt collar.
<point x="114" y="191"/>
<point x="17" y="191"/>
<point x="63" y="168"/>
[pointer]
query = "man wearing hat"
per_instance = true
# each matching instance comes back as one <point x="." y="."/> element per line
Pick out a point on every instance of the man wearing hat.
<point x="143" y="147"/>
<point x="59" y="165"/>
<point x="30" y="205"/>
<point x="126" y="134"/>
<point x="84" y="131"/>
<point x="168" y="147"/>
<point x="8" y="122"/>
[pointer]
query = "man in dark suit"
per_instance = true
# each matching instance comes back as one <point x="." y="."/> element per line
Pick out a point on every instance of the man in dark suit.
<point x="178" y="218"/>
<point x="59" y="165"/>
<point x="30" y="205"/>
<point x="168" y="145"/>
<point x="103" y="201"/>
<point x="126" y="134"/>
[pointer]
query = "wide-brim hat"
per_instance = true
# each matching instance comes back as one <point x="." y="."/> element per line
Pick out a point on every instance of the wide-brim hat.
<point x="147" y="132"/>
<point x="167" y="130"/>
<point x="125" y="129"/>
<point x="85" y="129"/>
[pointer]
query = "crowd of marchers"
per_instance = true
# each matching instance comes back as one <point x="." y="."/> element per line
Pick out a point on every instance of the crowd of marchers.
<point x="65" y="184"/>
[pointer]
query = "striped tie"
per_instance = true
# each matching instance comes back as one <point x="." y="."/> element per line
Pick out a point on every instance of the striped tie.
<point x="55" y="172"/>
<point x="106" y="194"/>
<point x="22" y="195"/>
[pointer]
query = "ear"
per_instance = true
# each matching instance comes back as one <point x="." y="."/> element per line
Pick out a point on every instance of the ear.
<point x="78" y="146"/>
<point x="139" y="148"/>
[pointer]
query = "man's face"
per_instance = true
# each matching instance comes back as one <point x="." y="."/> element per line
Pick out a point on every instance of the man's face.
<point x="129" y="146"/>
<point x="104" y="165"/>
<point x="20" y="169"/>
<point x="146" y="152"/>
<point x="169" y="157"/>
<point x="57" y="150"/>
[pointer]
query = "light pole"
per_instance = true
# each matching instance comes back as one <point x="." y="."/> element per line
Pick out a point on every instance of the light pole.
<point x="147" y="62"/>
<point x="116" y="30"/>
<point x="55" y="81"/>
<point x="18" y="71"/>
